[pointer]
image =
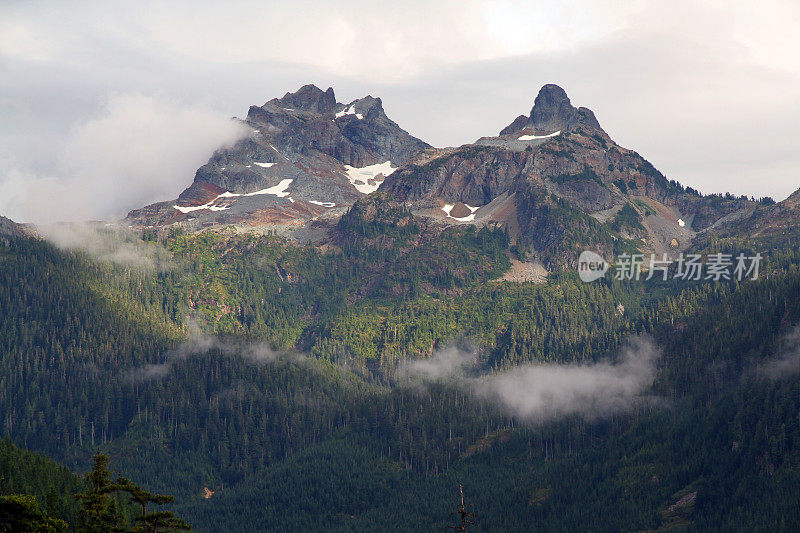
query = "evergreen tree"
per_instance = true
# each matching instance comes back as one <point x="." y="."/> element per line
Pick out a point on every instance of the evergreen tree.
<point x="99" y="511"/>
<point x="154" y="521"/>
<point x="21" y="514"/>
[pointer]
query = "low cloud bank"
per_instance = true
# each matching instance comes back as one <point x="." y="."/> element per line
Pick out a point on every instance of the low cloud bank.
<point x="139" y="149"/>
<point x="541" y="392"/>
<point x="109" y="243"/>
<point x="200" y="343"/>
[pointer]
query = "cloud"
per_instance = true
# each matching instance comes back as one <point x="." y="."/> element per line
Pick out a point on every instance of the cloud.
<point x="198" y="343"/>
<point x="139" y="150"/>
<point x="111" y="243"/>
<point x="148" y="372"/>
<point x="787" y="363"/>
<point x="379" y="41"/>
<point x="541" y="392"/>
<point x="262" y="353"/>
<point x="447" y="363"/>
<point x="708" y="92"/>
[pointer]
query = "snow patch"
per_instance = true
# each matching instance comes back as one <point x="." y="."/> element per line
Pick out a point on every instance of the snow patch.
<point x="534" y="137"/>
<point x="449" y="207"/>
<point x="210" y="205"/>
<point x="361" y="177"/>
<point x="277" y="190"/>
<point x="323" y="204"/>
<point x="349" y="111"/>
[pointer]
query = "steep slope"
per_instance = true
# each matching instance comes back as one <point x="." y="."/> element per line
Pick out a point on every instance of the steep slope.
<point x="9" y="228"/>
<point x="306" y="155"/>
<point x="558" y="182"/>
<point x="25" y="472"/>
<point x="554" y="179"/>
<point x="770" y="220"/>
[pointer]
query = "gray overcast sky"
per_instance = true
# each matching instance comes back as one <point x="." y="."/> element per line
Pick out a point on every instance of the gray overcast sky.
<point x="106" y="106"/>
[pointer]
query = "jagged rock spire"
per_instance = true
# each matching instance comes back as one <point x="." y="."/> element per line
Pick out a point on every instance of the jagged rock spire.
<point x="553" y="111"/>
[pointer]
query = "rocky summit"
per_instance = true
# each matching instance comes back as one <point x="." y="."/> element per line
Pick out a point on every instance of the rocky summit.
<point x="306" y="156"/>
<point x="554" y="179"/>
<point x="552" y="111"/>
<point x="557" y="181"/>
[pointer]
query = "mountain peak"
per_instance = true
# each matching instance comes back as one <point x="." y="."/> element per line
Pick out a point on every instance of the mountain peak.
<point x="309" y="98"/>
<point x="12" y="229"/>
<point x="553" y="111"/>
<point x="552" y="108"/>
<point x="368" y="106"/>
<point x="793" y="200"/>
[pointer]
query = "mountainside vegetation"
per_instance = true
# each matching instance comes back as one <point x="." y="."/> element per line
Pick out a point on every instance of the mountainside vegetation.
<point x="262" y="383"/>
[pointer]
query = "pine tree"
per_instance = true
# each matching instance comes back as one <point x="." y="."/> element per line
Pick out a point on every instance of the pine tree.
<point x="152" y="522"/>
<point x="99" y="512"/>
<point x="21" y="514"/>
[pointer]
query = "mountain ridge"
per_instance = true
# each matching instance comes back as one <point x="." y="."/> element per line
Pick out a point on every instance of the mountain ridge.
<point x="554" y="171"/>
<point x="305" y="155"/>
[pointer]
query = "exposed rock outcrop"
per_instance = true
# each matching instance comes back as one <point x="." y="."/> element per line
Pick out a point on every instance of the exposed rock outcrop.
<point x="304" y="149"/>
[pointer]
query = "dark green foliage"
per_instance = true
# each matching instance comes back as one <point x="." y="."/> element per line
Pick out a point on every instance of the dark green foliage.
<point x="152" y="520"/>
<point x="558" y="232"/>
<point x="375" y="215"/>
<point x="21" y="514"/>
<point x="23" y="472"/>
<point x="100" y="504"/>
<point x="335" y="440"/>
<point x="64" y="320"/>
<point x="627" y="217"/>
<point x="99" y="510"/>
<point x="587" y="174"/>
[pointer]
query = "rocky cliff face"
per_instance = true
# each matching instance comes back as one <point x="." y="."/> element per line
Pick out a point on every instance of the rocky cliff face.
<point x="12" y="229"/>
<point x="558" y="159"/>
<point x="777" y="222"/>
<point x="9" y="228"/>
<point x="553" y="111"/>
<point x="305" y="155"/>
<point x="554" y="178"/>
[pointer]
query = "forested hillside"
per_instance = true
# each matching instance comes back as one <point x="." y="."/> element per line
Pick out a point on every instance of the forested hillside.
<point x="270" y="373"/>
<point x="51" y="486"/>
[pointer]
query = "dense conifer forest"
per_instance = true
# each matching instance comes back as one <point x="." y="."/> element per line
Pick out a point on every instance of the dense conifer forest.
<point x="270" y="374"/>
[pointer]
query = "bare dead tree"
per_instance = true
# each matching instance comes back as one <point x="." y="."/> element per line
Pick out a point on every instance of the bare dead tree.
<point x="467" y="518"/>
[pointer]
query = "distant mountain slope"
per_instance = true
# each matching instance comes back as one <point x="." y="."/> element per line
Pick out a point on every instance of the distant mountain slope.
<point x="25" y="472"/>
<point x="9" y="228"/>
<point x="772" y="220"/>
<point x="545" y="173"/>
<point x="306" y="154"/>
<point x="554" y="179"/>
